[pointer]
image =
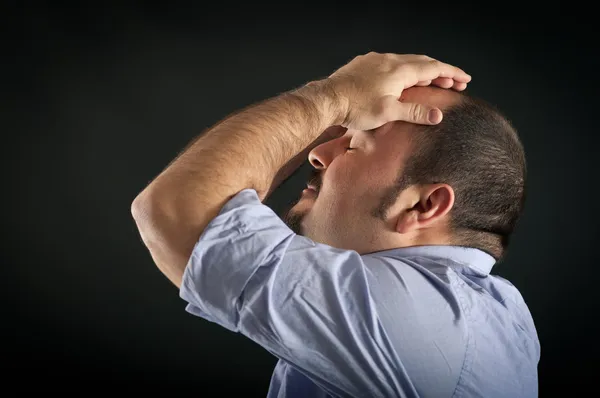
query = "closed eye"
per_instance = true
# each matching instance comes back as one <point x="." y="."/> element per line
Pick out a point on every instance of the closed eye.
<point x="350" y="149"/>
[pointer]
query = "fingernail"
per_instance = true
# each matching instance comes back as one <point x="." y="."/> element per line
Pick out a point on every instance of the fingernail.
<point x="434" y="116"/>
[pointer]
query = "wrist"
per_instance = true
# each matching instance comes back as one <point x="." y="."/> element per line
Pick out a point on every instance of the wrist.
<point x="332" y="106"/>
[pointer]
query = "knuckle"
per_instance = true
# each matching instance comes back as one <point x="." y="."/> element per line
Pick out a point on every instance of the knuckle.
<point x="401" y="69"/>
<point x="385" y="111"/>
<point x="379" y="109"/>
<point x="415" y="113"/>
<point x="397" y="68"/>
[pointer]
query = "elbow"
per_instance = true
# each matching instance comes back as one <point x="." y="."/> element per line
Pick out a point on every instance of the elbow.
<point x="152" y="222"/>
<point x="147" y="207"/>
<point x="150" y="216"/>
<point x="137" y="209"/>
<point x="140" y="210"/>
<point x="157" y="234"/>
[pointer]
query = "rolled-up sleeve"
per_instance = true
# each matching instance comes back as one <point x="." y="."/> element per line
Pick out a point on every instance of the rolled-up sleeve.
<point x="306" y="303"/>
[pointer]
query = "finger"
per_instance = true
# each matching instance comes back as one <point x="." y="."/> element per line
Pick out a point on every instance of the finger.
<point x="431" y="70"/>
<point x="443" y="82"/>
<point x="412" y="112"/>
<point x="459" y="86"/>
<point x="423" y="83"/>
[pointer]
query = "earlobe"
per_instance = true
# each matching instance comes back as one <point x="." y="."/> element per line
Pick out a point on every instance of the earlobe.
<point x="407" y="221"/>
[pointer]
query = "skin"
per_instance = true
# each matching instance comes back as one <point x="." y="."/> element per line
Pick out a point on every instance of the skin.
<point x="258" y="147"/>
<point x="351" y="185"/>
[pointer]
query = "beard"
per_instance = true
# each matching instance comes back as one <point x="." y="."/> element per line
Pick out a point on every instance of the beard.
<point x="293" y="217"/>
<point x="293" y="220"/>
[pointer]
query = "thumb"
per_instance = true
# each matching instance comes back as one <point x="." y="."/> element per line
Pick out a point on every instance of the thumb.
<point x="414" y="113"/>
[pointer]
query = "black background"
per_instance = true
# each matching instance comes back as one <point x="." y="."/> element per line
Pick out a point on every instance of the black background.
<point x="98" y="99"/>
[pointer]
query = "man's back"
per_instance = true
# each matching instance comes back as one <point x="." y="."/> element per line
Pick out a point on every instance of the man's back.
<point x="465" y="333"/>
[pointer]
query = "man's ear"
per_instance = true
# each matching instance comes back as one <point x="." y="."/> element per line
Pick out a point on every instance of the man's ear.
<point x="433" y="202"/>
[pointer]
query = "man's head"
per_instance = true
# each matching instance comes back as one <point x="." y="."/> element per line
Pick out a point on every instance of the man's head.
<point x="461" y="182"/>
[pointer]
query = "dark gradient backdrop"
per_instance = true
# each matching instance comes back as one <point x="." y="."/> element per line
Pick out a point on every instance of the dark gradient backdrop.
<point x="97" y="100"/>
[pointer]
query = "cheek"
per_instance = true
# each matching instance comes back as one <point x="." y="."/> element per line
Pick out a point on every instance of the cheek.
<point x="356" y="176"/>
<point x="341" y="177"/>
<point x="346" y="188"/>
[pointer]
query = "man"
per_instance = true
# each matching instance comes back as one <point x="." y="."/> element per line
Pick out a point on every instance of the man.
<point x="378" y="282"/>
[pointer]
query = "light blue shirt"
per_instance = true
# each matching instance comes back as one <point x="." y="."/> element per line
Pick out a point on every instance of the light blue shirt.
<point x="421" y="321"/>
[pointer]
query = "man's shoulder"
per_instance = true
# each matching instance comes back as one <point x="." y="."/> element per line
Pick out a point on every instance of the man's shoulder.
<point x="421" y="312"/>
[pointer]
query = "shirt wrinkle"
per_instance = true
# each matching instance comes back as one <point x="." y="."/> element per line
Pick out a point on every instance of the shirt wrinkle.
<point x="427" y="321"/>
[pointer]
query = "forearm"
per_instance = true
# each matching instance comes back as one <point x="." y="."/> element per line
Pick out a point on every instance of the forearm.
<point x="255" y="148"/>
<point x="293" y="164"/>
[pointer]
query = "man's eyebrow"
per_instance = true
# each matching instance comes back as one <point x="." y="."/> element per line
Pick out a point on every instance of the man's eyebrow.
<point x="371" y="133"/>
<point x="368" y="135"/>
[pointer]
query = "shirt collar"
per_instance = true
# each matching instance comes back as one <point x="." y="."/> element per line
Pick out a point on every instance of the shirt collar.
<point x="469" y="256"/>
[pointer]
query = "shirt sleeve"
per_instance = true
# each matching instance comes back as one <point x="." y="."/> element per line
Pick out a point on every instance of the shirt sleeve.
<point x="306" y="303"/>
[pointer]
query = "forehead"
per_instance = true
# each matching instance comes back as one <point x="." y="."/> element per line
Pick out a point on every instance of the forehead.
<point x="431" y="95"/>
<point x="396" y="136"/>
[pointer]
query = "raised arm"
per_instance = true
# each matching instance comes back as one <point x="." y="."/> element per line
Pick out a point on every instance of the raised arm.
<point x="249" y="148"/>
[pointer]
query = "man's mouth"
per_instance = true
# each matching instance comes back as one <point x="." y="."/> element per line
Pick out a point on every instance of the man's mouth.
<point x="310" y="191"/>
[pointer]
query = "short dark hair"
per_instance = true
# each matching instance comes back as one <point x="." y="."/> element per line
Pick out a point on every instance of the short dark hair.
<point x="477" y="151"/>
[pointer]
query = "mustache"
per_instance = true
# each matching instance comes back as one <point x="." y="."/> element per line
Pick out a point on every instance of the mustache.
<point x="315" y="180"/>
